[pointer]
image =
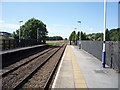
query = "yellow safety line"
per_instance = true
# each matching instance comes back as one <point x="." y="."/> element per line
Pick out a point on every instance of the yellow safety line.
<point x="78" y="76"/>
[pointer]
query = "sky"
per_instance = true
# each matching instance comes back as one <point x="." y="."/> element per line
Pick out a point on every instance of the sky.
<point x="60" y="17"/>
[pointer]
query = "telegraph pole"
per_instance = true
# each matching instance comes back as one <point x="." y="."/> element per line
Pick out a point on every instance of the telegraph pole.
<point x="19" y="30"/>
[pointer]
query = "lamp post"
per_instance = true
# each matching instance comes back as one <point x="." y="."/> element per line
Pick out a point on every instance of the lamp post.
<point x="20" y="28"/>
<point x="80" y="45"/>
<point x="104" y="44"/>
<point x="75" y="36"/>
<point x="37" y="34"/>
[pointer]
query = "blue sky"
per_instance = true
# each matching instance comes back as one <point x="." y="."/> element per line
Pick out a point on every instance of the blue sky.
<point x="60" y="17"/>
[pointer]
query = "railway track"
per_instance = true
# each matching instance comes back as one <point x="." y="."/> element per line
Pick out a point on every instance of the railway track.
<point x="22" y="62"/>
<point x="45" y="64"/>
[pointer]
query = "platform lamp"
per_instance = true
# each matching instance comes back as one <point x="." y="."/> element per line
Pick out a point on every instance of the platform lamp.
<point x="37" y="34"/>
<point x="104" y="42"/>
<point x="75" y="36"/>
<point x="20" y="28"/>
<point x="80" y="45"/>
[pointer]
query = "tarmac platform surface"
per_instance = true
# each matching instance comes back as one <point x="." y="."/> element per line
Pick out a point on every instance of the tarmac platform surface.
<point x="21" y="48"/>
<point x="79" y="69"/>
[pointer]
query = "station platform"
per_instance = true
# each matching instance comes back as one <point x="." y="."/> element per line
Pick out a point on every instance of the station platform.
<point x="12" y="56"/>
<point x="79" y="69"/>
<point x="19" y="49"/>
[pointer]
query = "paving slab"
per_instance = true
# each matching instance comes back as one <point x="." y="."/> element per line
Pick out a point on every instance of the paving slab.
<point x="65" y="78"/>
<point x="69" y="75"/>
<point x="80" y="70"/>
<point x="95" y="76"/>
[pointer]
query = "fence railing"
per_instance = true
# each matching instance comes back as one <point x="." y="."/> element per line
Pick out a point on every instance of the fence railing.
<point x="16" y="43"/>
<point x="112" y="51"/>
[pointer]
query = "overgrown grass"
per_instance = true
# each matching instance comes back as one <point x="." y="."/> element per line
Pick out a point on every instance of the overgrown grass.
<point x="54" y="42"/>
<point x="1" y="37"/>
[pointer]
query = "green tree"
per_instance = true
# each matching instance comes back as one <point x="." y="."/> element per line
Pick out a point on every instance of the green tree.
<point x="111" y="35"/>
<point x="72" y="37"/>
<point x="107" y="35"/>
<point x="114" y="34"/>
<point x="16" y="34"/>
<point x="30" y="29"/>
<point x="54" y="38"/>
<point x="99" y="36"/>
<point x="83" y="36"/>
<point x="118" y="30"/>
<point x="78" y="36"/>
<point x="65" y="39"/>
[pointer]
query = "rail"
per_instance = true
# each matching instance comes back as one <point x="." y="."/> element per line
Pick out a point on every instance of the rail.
<point x="23" y="79"/>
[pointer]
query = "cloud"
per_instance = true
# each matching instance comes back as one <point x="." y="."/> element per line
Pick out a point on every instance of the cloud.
<point x="1" y="21"/>
<point x="91" y="29"/>
<point x="100" y="31"/>
<point x="54" y="28"/>
<point x="11" y="26"/>
<point x="8" y="27"/>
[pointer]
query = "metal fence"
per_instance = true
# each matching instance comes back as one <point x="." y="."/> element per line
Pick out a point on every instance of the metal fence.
<point x="15" y="43"/>
<point x="112" y="52"/>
